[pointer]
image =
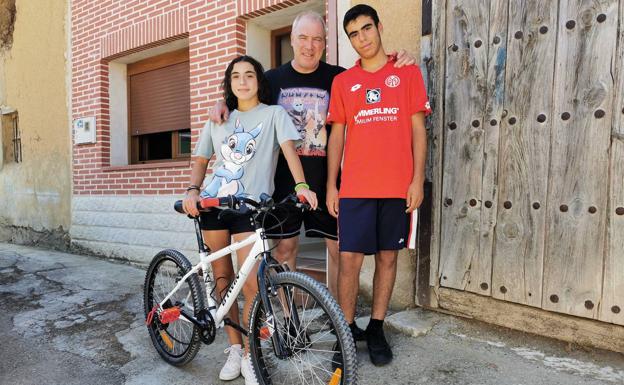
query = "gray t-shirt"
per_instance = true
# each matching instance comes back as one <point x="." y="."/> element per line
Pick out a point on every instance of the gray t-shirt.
<point x="246" y="148"/>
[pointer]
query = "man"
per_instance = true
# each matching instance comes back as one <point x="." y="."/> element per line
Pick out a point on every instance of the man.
<point x="383" y="109"/>
<point x="302" y="86"/>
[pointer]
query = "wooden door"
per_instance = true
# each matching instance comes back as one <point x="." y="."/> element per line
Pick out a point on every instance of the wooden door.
<point x="531" y="131"/>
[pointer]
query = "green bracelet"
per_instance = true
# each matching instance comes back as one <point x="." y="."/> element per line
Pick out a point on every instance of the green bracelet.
<point x="301" y="185"/>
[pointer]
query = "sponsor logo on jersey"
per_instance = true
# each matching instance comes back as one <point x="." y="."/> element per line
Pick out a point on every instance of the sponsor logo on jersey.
<point x="356" y="87"/>
<point x="371" y="115"/>
<point x="393" y="81"/>
<point x="378" y="111"/>
<point x="373" y="95"/>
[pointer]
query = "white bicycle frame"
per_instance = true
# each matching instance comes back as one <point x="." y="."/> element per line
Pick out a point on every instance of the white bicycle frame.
<point x="259" y="247"/>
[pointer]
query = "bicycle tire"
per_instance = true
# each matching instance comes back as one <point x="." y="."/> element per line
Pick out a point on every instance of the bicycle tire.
<point x="266" y="363"/>
<point x="177" y="342"/>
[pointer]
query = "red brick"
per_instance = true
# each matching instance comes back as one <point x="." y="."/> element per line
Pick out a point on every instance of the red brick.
<point x="215" y="36"/>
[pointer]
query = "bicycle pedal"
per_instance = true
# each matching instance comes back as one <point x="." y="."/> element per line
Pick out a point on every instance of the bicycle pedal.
<point x="169" y="315"/>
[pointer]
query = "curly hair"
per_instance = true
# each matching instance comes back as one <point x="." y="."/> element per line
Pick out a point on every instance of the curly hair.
<point x="264" y="91"/>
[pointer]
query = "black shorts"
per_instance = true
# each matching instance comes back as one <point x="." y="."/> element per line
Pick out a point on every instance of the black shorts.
<point x="317" y="223"/>
<point x="368" y="225"/>
<point x="233" y="222"/>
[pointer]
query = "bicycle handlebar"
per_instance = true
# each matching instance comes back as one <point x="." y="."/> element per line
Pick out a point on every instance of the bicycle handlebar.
<point x="234" y="203"/>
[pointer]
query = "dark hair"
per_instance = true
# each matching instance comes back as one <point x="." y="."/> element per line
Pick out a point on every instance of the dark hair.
<point x="357" y="11"/>
<point x="264" y="92"/>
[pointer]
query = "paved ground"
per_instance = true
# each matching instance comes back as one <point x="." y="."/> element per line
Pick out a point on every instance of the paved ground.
<point x="72" y="319"/>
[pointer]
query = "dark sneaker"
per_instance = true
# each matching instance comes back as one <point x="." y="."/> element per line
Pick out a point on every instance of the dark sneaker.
<point x="378" y="348"/>
<point x="358" y="334"/>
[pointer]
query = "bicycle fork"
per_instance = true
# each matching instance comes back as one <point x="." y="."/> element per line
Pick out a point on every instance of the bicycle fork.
<point x="278" y="346"/>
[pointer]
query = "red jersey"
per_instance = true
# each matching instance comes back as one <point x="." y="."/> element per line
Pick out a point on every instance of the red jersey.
<point x="377" y="108"/>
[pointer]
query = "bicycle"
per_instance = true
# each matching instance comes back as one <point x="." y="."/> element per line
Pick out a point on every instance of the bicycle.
<point x="297" y="331"/>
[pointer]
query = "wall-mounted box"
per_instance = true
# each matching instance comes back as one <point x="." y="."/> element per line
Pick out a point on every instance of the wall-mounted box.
<point x="84" y="130"/>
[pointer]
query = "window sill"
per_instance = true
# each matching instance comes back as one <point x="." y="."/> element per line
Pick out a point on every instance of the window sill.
<point x="141" y="166"/>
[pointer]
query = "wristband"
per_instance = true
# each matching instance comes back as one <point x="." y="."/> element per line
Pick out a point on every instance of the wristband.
<point x="301" y="185"/>
<point x="193" y="187"/>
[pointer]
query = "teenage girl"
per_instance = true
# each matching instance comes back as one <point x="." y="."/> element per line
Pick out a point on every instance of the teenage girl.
<point x="246" y="148"/>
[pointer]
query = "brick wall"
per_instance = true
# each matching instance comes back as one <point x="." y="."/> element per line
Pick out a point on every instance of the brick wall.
<point x="108" y="29"/>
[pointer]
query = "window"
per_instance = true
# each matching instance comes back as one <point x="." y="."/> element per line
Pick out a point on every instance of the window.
<point x="11" y="140"/>
<point x="159" y="117"/>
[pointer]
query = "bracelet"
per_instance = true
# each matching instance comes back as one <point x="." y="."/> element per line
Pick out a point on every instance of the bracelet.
<point x="193" y="187"/>
<point x="301" y="185"/>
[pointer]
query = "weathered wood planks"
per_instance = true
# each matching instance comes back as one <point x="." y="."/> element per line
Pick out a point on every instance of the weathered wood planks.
<point x="524" y="149"/>
<point x="465" y="89"/>
<point x="585" y="332"/>
<point x="437" y="97"/>
<point x="494" y="111"/>
<point x="578" y="177"/>
<point x="612" y="303"/>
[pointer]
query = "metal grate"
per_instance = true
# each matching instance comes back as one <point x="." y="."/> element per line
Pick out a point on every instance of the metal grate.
<point x="17" y="140"/>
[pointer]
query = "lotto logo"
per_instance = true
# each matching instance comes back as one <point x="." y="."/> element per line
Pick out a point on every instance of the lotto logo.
<point x="393" y="81"/>
<point x="373" y="95"/>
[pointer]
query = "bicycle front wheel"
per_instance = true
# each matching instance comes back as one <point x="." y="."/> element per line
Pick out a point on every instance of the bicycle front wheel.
<point x="176" y="341"/>
<point x="316" y="338"/>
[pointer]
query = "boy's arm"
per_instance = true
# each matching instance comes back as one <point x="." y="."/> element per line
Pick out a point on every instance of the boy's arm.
<point x="415" y="193"/>
<point x="335" y="146"/>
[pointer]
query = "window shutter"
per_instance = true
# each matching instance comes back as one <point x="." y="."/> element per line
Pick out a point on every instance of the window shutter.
<point x="160" y="100"/>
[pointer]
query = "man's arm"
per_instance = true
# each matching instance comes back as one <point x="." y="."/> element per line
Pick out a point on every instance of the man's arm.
<point x="403" y="58"/>
<point x="335" y="146"/>
<point x="415" y="193"/>
<point x="219" y="113"/>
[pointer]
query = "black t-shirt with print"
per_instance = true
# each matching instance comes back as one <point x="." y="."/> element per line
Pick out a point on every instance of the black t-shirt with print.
<point x="306" y="99"/>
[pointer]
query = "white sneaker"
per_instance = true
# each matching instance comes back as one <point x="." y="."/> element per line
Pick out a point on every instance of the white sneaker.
<point x="247" y="370"/>
<point x="232" y="367"/>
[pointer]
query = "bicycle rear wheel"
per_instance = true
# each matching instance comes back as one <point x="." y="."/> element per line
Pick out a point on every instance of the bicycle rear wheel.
<point x="178" y="341"/>
<point x="316" y="337"/>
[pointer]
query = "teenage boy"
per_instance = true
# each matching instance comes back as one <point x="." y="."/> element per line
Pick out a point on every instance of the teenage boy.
<point x="383" y="109"/>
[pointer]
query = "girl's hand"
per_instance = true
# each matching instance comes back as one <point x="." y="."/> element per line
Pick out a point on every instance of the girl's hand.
<point x="190" y="203"/>
<point x="310" y="197"/>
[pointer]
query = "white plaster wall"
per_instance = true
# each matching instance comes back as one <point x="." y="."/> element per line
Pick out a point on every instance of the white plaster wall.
<point x="346" y="54"/>
<point x="35" y="193"/>
<point x="131" y="228"/>
<point x="118" y="84"/>
<point x="259" y="44"/>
